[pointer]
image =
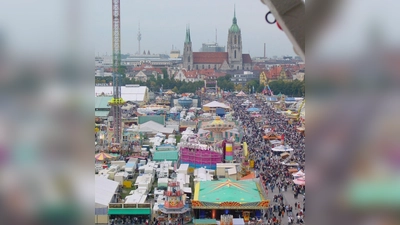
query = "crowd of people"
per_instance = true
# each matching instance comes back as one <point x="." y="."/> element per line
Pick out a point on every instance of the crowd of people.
<point x="127" y="219"/>
<point x="275" y="176"/>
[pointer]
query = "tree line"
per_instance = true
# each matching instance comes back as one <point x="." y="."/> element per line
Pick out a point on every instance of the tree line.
<point x="289" y="88"/>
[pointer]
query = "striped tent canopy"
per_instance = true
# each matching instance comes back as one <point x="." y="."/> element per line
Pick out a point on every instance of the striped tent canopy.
<point x="300" y="181"/>
<point x="102" y="156"/>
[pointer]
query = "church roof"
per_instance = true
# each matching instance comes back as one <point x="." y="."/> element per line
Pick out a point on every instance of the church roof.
<point x="246" y="58"/>
<point x="234" y="28"/>
<point x="209" y="57"/>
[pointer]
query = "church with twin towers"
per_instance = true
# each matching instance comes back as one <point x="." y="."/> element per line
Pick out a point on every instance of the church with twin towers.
<point x="233" y="59"/>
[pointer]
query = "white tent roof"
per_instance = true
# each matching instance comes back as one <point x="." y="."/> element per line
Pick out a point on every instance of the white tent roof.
<point x="241" y="93"/>
<point x="215" y="104"/>
<point x="187" y="189"/>
<point x="104" y="190"/>
<point x="135" y="198"/>
<point x="156" y="127"/>
<point x="128" y="93"/>
<point x="282" y="148"/>
<point x="202" y="131"/>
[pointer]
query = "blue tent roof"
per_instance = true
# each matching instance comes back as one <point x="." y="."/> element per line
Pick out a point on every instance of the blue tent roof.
<point x="130" y="165"/>
<point x="253" y="110"/>
<point x="290" y="99"/>
<point x="272" y="99"/>
<point x="220" y="111"/>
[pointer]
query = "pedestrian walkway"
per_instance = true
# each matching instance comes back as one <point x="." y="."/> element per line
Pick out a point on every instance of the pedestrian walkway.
<point x="288" y="199"/>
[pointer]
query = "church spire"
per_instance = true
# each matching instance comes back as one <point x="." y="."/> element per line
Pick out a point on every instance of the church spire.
<point x="234" y="15"/>
<point x="234" y="28"/>
<point x="187" y="40"/>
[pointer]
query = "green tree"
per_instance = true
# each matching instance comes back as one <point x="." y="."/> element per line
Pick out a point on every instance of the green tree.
<point x="251" y="84"/>
<point x="165" y="73"/>
<point x="238" y="87"/>
<point x="122" y="70"/>
<point x="290" y="88"/>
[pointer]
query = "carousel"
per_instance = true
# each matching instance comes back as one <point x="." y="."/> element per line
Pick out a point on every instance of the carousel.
<point x="174" y="209"/>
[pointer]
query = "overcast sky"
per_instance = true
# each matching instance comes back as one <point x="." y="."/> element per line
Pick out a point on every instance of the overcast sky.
<point x="163" y="24"/>
<point x="42" y="26"/>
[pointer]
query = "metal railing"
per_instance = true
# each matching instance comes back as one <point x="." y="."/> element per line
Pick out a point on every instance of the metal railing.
<point x="129" y="205"/>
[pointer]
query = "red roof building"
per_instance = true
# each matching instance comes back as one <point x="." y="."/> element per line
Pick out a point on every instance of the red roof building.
<point x="209" y="57"/>
<point x="233" y="59"/>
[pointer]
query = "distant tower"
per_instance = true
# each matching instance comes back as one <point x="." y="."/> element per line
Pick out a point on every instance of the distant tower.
<point x="187" y="51"/>
<point x="216" y="37"/>
<point x="235" y="45"/>
<point x="265" y="51"/>
<point x="139" y="38"/>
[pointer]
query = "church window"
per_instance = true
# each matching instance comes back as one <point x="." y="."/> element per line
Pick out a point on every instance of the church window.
<point x="239" y="39"/>
<point x="237" y="67"/>
<point x="189" y="59"/>
<point x="188" y="67"/>
<point x="235" y="54"/>
<point x="235" y="40"/>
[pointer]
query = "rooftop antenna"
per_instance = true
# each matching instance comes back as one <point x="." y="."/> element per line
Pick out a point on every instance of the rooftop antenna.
<point x="216" y="40"/>
<point x="139" y="37"/>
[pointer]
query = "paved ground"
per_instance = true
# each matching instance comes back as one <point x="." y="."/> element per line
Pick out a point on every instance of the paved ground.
<point x="288" y="198"/>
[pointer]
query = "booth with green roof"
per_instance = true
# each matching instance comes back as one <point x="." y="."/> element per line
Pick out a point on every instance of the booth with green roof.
<point x="215" y="198"/>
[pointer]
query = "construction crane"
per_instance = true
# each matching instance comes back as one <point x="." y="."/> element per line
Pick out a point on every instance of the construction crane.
<point x="116" y="102"/>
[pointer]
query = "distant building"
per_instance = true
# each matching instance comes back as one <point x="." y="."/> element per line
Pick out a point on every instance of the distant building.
<point x="100" y="73"/>
<point x="233" y="59"/>
<point x="244" y="77"/>
<point x="102" y="109"/>
<point x="144" y="72"/>
<point x="159" y="61"/>
<point x="174" y="54"/>
<point x="133" y="92"/>
<point x="198" y="75"/>
<point x="212" y="47"/>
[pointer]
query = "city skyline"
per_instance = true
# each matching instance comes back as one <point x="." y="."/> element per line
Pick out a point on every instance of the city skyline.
<point x="163" y="25"/>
